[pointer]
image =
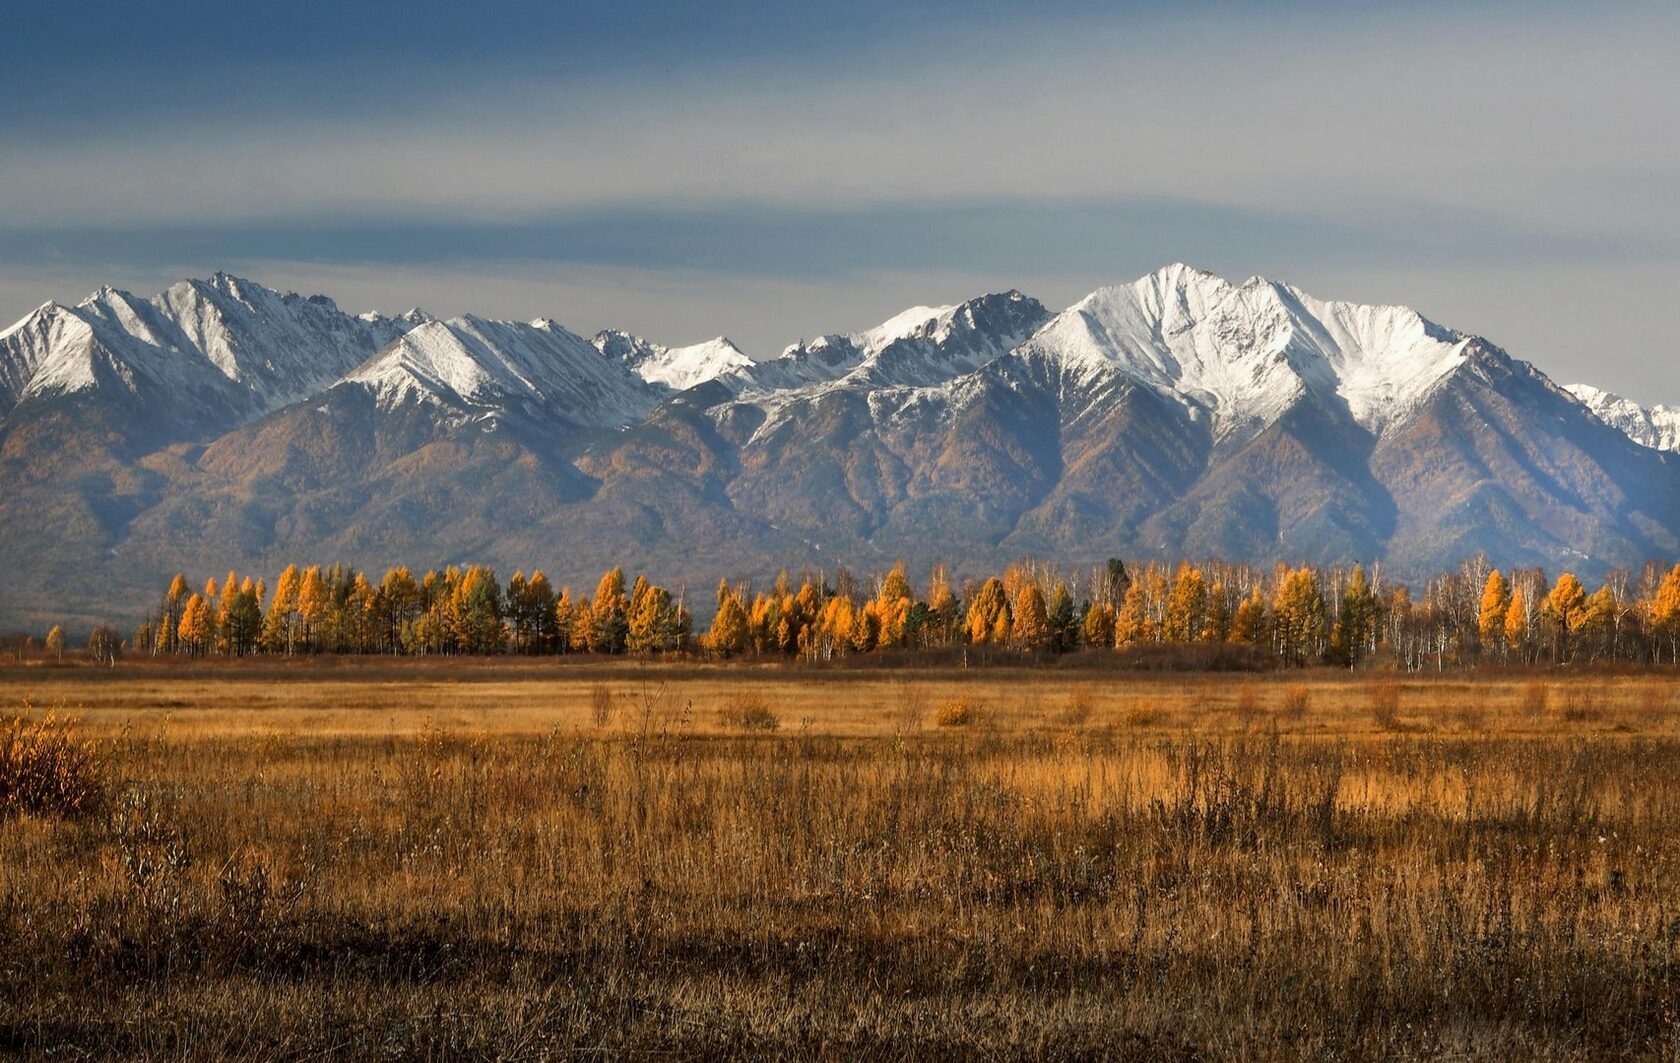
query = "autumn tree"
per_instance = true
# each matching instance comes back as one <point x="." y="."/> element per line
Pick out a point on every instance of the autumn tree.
<point x="1514" y="633"/>
<point x="1187" y="606"/>
<point x="55" y="642"/>
<point x="1665" y="614"/>
<point x="892" y="607"/>
<point x="652" y="621"/>
<point x="1134" y="625"/>
<point x="174" y="601"/>
<point x="610" y="624"/>
<point x="1098" y="627"/>
<point x="194" y="630"/>
<point x="988" y="610"/>
<point x="280" y="629"/>
<point x="729" y="633"/>
<point x="103" y="646"/>
<point x="1250" y="626"/>
<point x="312" y="608"/>
<point x="942" y="606"/>
<point x="1490" y="618"/>
<point x="1562" y="614"/>
<point x="1031" y="626"/>
<point x="1298" y="616"/>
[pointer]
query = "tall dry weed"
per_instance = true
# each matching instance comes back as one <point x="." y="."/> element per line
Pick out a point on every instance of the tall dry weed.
<point x="47" y="769"/>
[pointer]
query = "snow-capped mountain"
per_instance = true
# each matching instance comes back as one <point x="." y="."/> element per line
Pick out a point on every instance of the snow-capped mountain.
<point x="1657" y="427"/>
<point x="475" y="368"/>
<point x="920" y="347"/>
<point x="1240" y="356"/>
<point x="221" y="423"/>
<point x="222" y="345"/>
<point x="677" y="368"/>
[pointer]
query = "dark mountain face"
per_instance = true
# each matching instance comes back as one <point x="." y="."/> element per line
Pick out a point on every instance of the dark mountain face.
<point x="221" y="425"/>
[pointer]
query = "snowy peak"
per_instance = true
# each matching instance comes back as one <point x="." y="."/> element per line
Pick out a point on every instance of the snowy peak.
<point x="1657" y="427"/>
<point x="924" y="346"/>
<point x="678" y="368"/>
<point x="476" y="368"/>
<point x="1244" y="354"/>
<point x="223" y="342"/>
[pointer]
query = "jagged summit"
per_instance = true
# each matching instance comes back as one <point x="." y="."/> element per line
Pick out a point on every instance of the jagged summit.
<point x="1657" y="427"/>
<point x="921" y="347"/>
<point x="474" y="367"/>
<point x="678" y="368"/>
<point x="1244" y="354"/>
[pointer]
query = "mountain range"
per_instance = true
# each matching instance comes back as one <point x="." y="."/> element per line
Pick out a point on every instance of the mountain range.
<point x="223" y="425"/>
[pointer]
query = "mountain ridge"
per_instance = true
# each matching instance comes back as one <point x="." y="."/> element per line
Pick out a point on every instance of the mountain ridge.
<point x="223" y="424"/>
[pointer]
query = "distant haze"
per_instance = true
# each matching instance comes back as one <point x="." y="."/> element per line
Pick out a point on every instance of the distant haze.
<point x="772" y="173"/>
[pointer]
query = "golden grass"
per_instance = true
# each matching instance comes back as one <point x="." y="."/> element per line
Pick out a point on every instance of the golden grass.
<point x="1206" y="866"/>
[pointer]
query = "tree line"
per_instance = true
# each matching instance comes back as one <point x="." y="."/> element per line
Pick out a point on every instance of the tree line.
<point x="1295" y="615"/>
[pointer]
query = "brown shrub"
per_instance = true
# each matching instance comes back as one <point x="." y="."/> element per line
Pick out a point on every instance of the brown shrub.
<point x="1141" y="716"/>
<point x="1080" y="704"/>
<point x="957" y="712"/>
<point x="749" y="712"/>
<point x="1247" y="709"/>
<point x="1385" y="705"/>
<point x="1536" y="694"/>
<point x="1583" y="707"/>
<point x="1296" y="702"/>
<point x="47" y="770"/>
<point x="601" y="704"/>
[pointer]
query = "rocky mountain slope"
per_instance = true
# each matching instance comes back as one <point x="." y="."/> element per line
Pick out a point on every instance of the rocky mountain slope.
<point x="224" y="425"/>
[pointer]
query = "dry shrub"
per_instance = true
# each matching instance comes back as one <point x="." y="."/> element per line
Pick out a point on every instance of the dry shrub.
<point x="957" y="712"/>
<point x="1247" y="709"/>
<point x="601" y="704"/>
<point x="749" y="712"/>
<point x="1583" y="707"/>
<point x="1296" y="702"/>
<point x="1080" y="704"/>
<point x="911" y="706"/>
<point x="1470" y="716"/>
<point x="47" y="770"/>
<point x="1536" y="695"/>
<point x="1142" y="716"/>
<point x="1385" y="705"/>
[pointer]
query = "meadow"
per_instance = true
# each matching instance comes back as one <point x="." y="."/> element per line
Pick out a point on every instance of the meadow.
<point x="284" y="860"/>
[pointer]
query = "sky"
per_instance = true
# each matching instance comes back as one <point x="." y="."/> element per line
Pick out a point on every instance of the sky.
<point x="772" y="171"/>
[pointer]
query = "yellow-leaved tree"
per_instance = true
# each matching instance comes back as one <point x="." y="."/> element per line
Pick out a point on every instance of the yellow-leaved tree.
<point x="1665" y="614"/>
<point x="729" y="628"/>
<point x="1031" y="627"/>
<point x="1490" y="618"/>
<point x="1562" y="614"/>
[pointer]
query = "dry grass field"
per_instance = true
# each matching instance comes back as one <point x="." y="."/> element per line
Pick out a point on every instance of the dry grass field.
<point x="529" y="861"/>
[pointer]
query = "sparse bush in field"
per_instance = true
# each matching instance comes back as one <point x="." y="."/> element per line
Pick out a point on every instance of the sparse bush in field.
<point x="1079" y="706"/>
<point x="1385" y="705"/>
<point x="1247" y="709"/>
<point x="957" y="712"/>
<point x="601" y="704"/>
<point x="47" y="770"/>
<point x="749" y="712"/>
<point x="911" y="706"/>
<point x="1141" y="716"/>
<point x="1583" y="707"/>
<point x="1536" y="695"/>
<point x="1471" y="716"/>
<point x="1295" y="703"/>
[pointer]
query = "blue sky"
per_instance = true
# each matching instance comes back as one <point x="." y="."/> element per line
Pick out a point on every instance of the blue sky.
<point x="772" y="171"/>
